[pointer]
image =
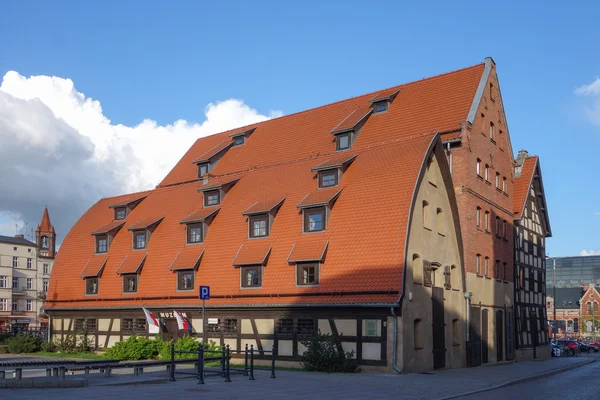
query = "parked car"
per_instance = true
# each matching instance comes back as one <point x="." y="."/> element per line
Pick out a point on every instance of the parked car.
<point x="587" y="348"/>
<point x="595" y="345"/>
<point x="570" y="346"/>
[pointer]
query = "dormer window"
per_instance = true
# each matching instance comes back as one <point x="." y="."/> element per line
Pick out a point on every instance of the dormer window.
<point x="380" y="106"/>
<point x="130" y="282"/>
<point x="381" y="102"/>
<point x="314" y="219"/>
<point x="203" y="169"/>
<point x="139" y="239"/>
<point x="123" y="207"/>
<point x="105" y="235"/>
<point x="120" y="213"/>
<point x="316" y="207"/>
<point x="239" y="140"/>
<point x="195" y="233"/>
<point x="343" y="141"/>
<point x="101" y="243"/>
<point x="328" y="178"/>
<point x="259" y="225"/>
<point x="212" y="198"/>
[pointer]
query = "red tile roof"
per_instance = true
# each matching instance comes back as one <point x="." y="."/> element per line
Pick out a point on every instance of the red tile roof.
<point x="45" y="225"/>
<point x="308" y="249"/>
<point x="264" y="205"/>
<point x="145" y="223"/>
<point x="217" y="184"/>
<point x="253" y="252"/>
<point x="276" y="161"/>
<point x="244" y="131"/>
<point x="111" y="226"/>
<point x="385" y="95"/>
<point x="320" y="197"/>
<point x="124" y="201"/>
<point x="200" y="215"/>
<point x="94" y="266"/>
<point x="132" y="262"/>
<point x="354" y="118"/>
<point x="188" y="258"/>
<point x="522" y="185"/>
<point x="336" y="161"/>
<point x="210" y="153"/>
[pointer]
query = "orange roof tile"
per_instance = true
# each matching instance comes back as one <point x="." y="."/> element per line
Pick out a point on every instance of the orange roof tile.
<point x="145" y="223"/>
<point x="253" y="252"/>
<point x="244" y="131"/>
<point x="128" y="200"/>
<point x="451" y="136"/>
<point x="264" y="205"/>
<point x="45" y="225"/>
<point x="522" y="185"/>
<point x="206" y="156"/>
<point x="308" y="249"/>
<point x="320" y="197"/>
<point x="94" y="266"/>
<point x="188" y="258"/>
<point x="385" y="95"/>
<point x="336" y="161"/>
<point x="132" y="262"/>
<point x="354" y="118"/>
<point x="217" y="184"/>
<point x="111" y="226"/>
<point x="200" y="215"/>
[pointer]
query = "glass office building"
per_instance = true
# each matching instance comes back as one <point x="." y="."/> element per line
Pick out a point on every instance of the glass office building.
<point x="572" y="272"/>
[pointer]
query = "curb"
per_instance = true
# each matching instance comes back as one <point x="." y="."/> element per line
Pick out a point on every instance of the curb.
<point x="520" y="380"/>
<point x="41" y="383"/>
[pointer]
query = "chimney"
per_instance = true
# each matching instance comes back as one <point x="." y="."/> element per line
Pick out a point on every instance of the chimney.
<point x="20" y="236"/>
<point x="521" y="157"/>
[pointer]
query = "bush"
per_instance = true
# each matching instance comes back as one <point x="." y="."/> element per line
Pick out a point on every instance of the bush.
<point x="186" y="343"/>
<point x="68" y="344"/>
<point x="23" y="344"/>
<point x="323" y="355"/>
<point x="72" y="343"/>
<point x="48" y="347"/>
<point x="135" y="348"/>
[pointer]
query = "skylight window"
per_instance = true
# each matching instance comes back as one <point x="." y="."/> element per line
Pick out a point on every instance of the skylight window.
<point x="343" y="141"/>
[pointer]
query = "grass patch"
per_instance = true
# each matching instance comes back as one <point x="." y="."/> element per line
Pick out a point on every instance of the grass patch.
<point x="86" y="356"/>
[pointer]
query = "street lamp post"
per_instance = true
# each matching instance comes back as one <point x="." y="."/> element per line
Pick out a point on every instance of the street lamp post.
<point x="554" y="323"/>
<point x="593" y="319"/>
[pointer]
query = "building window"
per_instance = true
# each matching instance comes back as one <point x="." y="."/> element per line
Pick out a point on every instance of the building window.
<point x="120" y="212"/>
<point x="504" y="184"/>
<point x="130" y="283"/>
<point x="504" y="229"/>
<point x="202" y="169"/>
<point x="259" y="225"/>
<point x="15" y="283"/>
<point x="505" y="272"/>
<point x="478" y="264"/>
<point x="285" y="327"/>
<point x="3" y="304"/>
<point x="497" y="226"/>
<point x="239" y="140"/>
<point x="487" y="221"/>
<point x="491" y="91"/>
<point x="492" y="131"/>
<point x="418" y="334"/>
<point x="15" y="305"/>
<point x="487" y="173"/>
<point x="486" y="266"/>
<point x="15" y="262"/>
<point x="417" y="268"/>
<point x="101" y="244"/>
<point x="91" y="285"/>
<point x="479" y="167"/>
<point x="139" y="240"/>
<point x="455" y="276"/>
<point x="194" y="233"/>
<point x="447" y="277"/>
<point x="46" y="269"/>
<point x="439" y="221"/>
<point x="230" y="327"/>
<point x="29" y="263"/>
<point x="497" y="269"/>
<point x="478" y="217"/>
<point x="29" y="283"/>
<point x="380" y="106"/>
<point x="497" y="180"/>
<point x="3" y="282"/>
<point x="28" y="305"/>
<point x="127" y="326"/>
<point x="45" y="286"/>
<point x="44" y="242"/>
<point x="426" y="216"/>
<point x="29" y="250"/>
<point x="212" y="198"/>
<point x="455" y="332"/>
<point x="308" y="274"/>
<point x="328" y="178"/>
<point x="314" y="219"/>
<point x="371" y="327"/>
<point x="91" y="325"/>
<point x="251" y="276"/>
<point x="185" y="280"/>
<point x="343" y="141"/>
<point x="306" y="327"/>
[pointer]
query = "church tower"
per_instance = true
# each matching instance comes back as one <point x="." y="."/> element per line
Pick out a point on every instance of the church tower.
<point x="45" y="236"/>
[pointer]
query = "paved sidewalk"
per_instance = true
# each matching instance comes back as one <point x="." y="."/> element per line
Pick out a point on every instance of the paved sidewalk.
<point x="317" y="386"/>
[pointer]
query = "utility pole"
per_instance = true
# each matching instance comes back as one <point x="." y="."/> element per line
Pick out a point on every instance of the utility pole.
<point x="554" y="324"/>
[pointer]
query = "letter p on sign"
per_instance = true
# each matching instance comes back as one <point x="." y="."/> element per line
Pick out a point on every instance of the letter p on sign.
<point x="204" y="292"/>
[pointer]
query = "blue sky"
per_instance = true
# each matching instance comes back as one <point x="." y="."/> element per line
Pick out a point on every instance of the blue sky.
<point x="166" y="61"/>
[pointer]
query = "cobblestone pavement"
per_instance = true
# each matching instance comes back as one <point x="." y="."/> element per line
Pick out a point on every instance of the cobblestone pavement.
<point x="300" y="385"/>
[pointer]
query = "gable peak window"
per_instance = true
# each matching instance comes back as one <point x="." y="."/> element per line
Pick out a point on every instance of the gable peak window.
<point x="439" y="216"/>
<point x="91" y="285"/>
<point x="139" y="239"/>
<point x="195" y="233"/>
<point x="259" y="225"/>
<point x="203" y="169"/>
<point x="343" y="141"/>
<point x="417" y="267"/>
<point x="307" y="274"/>
<point x="101" y="243"/>
<point x="492" y="132"/>
<point x="328" y="178"/>
<point x="314" y="219"/>
<point x="120" y="212"/>
<point x="212" y="197"/>
<point x="185" y="280"/>
<point x="130" y="283"/>
<point x="251" y="276"/>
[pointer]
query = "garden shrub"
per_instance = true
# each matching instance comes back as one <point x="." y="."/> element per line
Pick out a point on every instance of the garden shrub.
<point x="48" y="347"/>
<point x="134" y="348"/>
<point x="322" y="354"/>
<point x="187" y="343"/>
<point x="23" y="343"/>
<point x="73" y="343"/>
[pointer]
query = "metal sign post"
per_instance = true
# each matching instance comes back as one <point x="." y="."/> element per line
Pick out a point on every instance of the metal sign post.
<point x="204" y="295"/>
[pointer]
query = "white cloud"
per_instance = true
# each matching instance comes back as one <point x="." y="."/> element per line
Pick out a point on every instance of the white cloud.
<point x="597" y="213"/>
<point x="590" y="253"/>
<point x="592" y="110"/>
<point x="59" y="149"/>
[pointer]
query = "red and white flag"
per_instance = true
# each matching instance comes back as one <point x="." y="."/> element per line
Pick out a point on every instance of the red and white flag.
<point x="182" y="321"/>
<point x="153" y="323"/>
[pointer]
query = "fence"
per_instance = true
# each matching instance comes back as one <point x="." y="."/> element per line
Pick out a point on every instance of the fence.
<point x="41" y="333"/>
<point x="224" y="358"/>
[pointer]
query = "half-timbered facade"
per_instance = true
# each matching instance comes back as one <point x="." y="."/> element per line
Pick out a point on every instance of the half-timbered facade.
<point x="532" y="227"/>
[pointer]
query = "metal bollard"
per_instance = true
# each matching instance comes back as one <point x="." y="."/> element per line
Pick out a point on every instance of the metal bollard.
<point x="18" y="373"/>
<point x="107" y="372"/>
<point x="251" y="363"/>
<point x="227" y="371"/>
<point x="48" y="372"/>
<point x="222" y="362"/>
<point x="87" y="370"/>
<point x="2" y="374"/>
<point x="273" y="362"/>
<point x="246" y="361"/>
<point x="172" y="368"/>
<point x="62" y="373"/>
<point x="201" y="364"/>
<point x="55" y="371"/>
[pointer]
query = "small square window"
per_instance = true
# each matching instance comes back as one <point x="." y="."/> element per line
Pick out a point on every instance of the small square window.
<point x="239" y="140"/>
<point x="130" y="283"/>
<point x="314" y="219"/>
<point x="371" y="327"/>
<point x="202" y="169"/>
<point x="120" y="213"/>
<point x="91" y="285"/>
<point x="251" y="276"/>
<point x="185" y="280"/>
<point x="212" y="198"/>
<point x="259" y="225"/>
<point x="328" y="178"/>
<point x="380" y="106"/>
<point x="139" y="240"/>
<point x="101" y="244"/>
<point x="194" y="233"/>
<point x="343" y="141"/>
<point x="308" y="274"/>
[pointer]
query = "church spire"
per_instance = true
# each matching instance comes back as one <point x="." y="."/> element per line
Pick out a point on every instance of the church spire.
<point x="46" y="236"/>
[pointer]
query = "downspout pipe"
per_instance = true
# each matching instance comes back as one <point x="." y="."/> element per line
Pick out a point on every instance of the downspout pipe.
<point x="395" y="349"/>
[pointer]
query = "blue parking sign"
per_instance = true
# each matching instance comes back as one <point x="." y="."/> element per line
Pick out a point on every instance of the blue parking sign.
<point x="204" y="292"/>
